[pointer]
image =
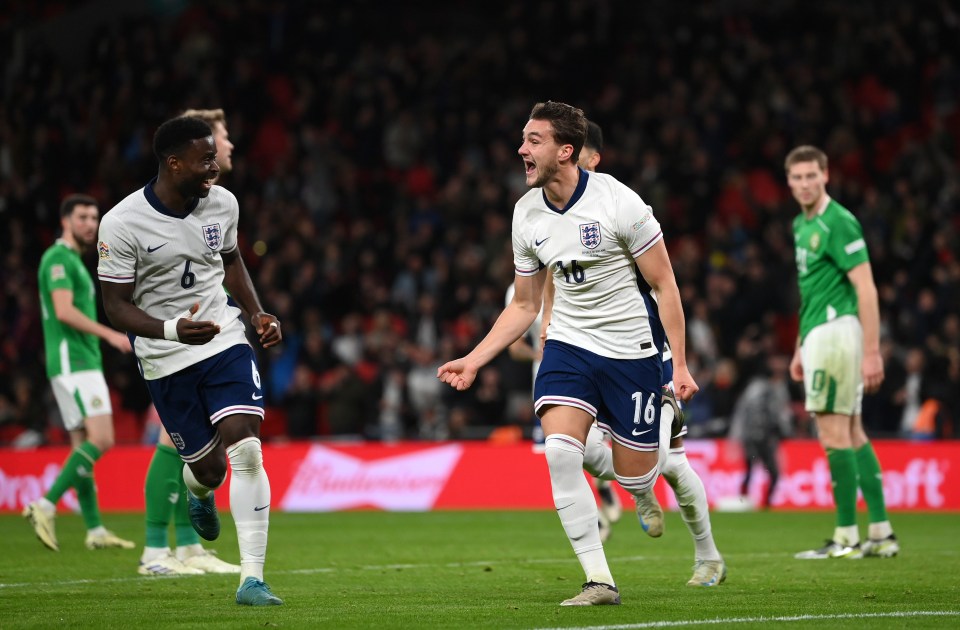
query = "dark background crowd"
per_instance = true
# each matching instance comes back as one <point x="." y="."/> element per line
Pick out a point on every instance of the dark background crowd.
<point x="376" y="170"/>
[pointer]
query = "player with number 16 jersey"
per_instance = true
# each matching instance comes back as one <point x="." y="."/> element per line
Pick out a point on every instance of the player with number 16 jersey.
<point x="176" y="262"/>
<point x="590" y="247"/>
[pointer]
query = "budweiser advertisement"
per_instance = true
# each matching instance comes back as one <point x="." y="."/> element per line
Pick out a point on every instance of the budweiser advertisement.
<point x="321" y="477"/>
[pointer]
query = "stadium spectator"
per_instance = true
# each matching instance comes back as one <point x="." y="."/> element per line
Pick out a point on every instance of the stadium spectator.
<point x="761" y="418"/>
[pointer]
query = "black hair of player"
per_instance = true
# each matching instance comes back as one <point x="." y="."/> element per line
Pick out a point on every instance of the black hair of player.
<point x="174" y="135"/>
<point x="70" y="202"/>
<point x="594" y="137"/>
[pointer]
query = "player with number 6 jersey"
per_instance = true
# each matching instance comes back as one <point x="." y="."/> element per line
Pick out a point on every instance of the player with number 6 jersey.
<point x="174" y="262"/>
<point x="166" y="254"/>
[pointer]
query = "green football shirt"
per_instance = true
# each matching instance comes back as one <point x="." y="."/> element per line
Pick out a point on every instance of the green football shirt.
<point x="68" y="350"/>
<point x="827" y="246"/>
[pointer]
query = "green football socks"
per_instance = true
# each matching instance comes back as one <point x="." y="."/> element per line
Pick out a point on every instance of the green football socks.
<point x="161" y="490"/>
<point x="843" y="471"/>
<point x="871" y="482"/>
<point x="77" y="473"/>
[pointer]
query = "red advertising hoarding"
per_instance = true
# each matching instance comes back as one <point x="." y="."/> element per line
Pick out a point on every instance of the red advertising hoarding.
<point x="318" y="477"/>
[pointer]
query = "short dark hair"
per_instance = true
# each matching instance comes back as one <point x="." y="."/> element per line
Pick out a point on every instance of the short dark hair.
<point x="569" y="124"/>
<point x="174" y="135"/>
<point x="806" y="153"/>
<point x="70" y="202"/>
<point x="594" y="137"/>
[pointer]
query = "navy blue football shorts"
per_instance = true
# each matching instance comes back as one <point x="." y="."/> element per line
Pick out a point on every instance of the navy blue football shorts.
<point x="192" y="401"/>
<point x="622" y="394"/>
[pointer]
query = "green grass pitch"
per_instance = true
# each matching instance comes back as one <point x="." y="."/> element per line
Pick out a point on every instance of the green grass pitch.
<point x="490" y="570"/>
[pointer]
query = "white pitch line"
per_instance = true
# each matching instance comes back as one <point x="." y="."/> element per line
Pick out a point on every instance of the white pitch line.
<point x="762" y="619"/>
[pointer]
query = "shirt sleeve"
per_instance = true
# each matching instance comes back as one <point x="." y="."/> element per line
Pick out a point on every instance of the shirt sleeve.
<point x="847" y="247"/>
<point x="636" y="224"/>
<point x="55" y="272"/>
<point x="525" y="259"/>
<point x="116" y="253"/>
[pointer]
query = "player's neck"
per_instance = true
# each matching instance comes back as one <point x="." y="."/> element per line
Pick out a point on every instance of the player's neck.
<point x="560" y="189"/>
<point x="170" y="197"/>
<point x="71" y="242"/>
<point x="817" y="207"/>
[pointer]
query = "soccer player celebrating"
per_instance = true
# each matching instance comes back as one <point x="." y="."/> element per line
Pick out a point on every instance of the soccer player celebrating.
<point x="838" y="352"/>
<point x="71" y="336"/>
<point x="708" y="566"/>
<point x="600" y="360"/>
<point x="166" y="253"/>
<point x="165" y="492"/>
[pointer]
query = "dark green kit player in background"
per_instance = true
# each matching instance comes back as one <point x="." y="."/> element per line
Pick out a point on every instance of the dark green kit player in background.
<point x="71" y="336"/>
<point x="838" y="353"/>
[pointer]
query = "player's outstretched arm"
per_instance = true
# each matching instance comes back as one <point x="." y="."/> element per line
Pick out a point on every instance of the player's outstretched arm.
<point x="510" y="326"/>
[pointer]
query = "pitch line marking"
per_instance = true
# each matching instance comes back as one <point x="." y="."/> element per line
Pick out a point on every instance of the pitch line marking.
<point x="764" y="619"/>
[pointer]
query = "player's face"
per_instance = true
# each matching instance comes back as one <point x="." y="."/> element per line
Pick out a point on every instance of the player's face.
<point x="198" y="169"/>
<point x="808" y="184"/>
<point x="540" y="153"/>
<point x="82" y="225"/>
<point x="224" y="147"/>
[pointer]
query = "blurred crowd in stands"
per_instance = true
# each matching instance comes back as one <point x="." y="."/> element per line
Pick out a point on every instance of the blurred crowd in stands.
<point x="376" y="170"/>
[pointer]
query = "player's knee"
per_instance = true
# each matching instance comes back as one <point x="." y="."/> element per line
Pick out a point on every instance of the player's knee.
<point x="103" y="443"/>
<point x="561" y="450"/>
<point x="640" y="484"/>
<point x="99" y="432"/>
<point x="675" y="465"/>
<point x="597" y="456"/>
<point x="246" y="456"/>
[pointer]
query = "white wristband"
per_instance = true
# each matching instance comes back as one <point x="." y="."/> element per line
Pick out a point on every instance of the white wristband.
<point x="170" y="329"/>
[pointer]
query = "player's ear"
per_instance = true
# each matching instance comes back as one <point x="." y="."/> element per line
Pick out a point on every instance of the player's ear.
<point x="566" y="152"/>
<point x="173" y="163"/>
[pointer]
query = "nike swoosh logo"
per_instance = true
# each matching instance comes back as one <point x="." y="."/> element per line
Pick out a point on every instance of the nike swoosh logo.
<point x="257" y="509"/>
<point x="150" y="250"/>
<point x="255" y="397"/>
<point x="636" y="433"/>
<point x="564" y="507"/>
<point x="539" y="243"/>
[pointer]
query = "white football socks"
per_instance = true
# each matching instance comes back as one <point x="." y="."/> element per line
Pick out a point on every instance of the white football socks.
<point x="692" y="499"/>
<point x="597" y="456"/>
<point x="196" y="488"/>
<point x="249" y="504"/>
<point x="575" y="505"/>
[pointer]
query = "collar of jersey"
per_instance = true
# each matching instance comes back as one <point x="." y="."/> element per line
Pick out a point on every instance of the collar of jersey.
<point x="581" y="186"/>
<point x="154" y="201"/>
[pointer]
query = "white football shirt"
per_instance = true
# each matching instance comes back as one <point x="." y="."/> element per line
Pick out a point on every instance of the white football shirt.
<point x="174" y="262"/>
<point x="590" y="247"/>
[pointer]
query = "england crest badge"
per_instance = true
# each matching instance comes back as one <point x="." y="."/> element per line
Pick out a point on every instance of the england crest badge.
<point x="590" y="234"/>
<point x="211" y="234"/>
